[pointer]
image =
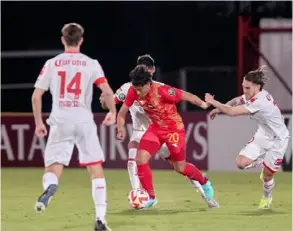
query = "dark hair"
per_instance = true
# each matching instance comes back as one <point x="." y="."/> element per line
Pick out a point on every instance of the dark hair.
<point x="140" y="76"/>
<point x="72" y="33"/>
<point x="146" y="60"/>
<point x="257" y="77"/>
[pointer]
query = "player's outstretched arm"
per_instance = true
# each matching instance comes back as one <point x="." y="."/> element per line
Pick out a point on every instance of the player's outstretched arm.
<point x="233" y="103"/>
<point x="186" y="96"/>
<point x="229" y="110"/>
<point x="121" y="122"/>
<point x="37" y="111"/>
<point x="108" y="97"/>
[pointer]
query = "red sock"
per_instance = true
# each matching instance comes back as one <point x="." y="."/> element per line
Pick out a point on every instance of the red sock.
<point x="193" y="173"/>
<point x="146" y="179"/>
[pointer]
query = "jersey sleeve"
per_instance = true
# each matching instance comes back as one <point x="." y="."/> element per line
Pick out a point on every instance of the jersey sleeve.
<point x="170" y="94"/>
<point x="130" y="97"/>
<point x="242" y="100"/>
<point x="44" y="78"/>
<point x="253" y="105"/>
<point x="98" y="74"/>
<point x="120" y="94"/>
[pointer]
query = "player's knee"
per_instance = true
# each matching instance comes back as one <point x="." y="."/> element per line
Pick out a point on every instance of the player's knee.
<point x="240" y="165"/>
<point x="241" y="162"/>
<point x="267" y="174"/>
<point x="179" y="167"/>
<point x="132" y="145"/>
<point x="55" y="168"/>
<point x="95" y="171"/>
<point x="142" y="157"/>
<point x="131" y="163"/>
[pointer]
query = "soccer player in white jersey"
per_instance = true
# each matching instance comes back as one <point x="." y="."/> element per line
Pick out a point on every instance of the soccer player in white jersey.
<point x="70" y="77"/>
<point x="141" y="122"/>
<point x="270" y="141"/>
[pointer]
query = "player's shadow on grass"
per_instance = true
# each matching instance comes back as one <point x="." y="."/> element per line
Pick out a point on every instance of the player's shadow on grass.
<point x="261" y="212"/>
<point x="156" y="211"/>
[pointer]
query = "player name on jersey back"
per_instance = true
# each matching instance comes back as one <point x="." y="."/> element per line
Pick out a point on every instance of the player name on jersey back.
<point x="70" y="78"/>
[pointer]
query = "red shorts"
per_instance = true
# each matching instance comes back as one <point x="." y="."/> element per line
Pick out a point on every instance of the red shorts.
<point x="154" y="138"/>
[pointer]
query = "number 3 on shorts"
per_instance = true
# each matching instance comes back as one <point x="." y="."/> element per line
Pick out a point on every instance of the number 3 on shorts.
<point x="173" y="137"/>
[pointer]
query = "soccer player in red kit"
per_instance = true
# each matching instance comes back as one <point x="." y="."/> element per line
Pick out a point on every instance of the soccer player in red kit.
<point x="159" y="103"/>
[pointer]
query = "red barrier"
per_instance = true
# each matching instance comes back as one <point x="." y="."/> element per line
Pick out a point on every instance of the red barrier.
<point x="20" y="148"/>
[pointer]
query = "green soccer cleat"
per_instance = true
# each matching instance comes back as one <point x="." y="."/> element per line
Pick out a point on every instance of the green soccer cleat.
<point x="265" y="203"/>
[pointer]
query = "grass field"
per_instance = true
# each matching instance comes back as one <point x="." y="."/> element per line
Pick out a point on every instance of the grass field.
<point x="180" y="206"/>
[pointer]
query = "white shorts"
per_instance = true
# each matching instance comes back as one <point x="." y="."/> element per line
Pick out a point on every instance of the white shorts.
<point x="62" y="139"/>
<point x="163" y="152"/>
<point x="271" y="150"/>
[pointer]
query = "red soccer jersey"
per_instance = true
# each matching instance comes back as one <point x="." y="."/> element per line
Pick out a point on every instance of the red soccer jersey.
<point x="160" y="105"/>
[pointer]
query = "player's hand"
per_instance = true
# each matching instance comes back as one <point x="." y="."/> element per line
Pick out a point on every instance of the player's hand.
<point x="121" y="133"/>
<point x="102" y="101"/>
<point x="102" y="98"/>
<point x="209" y="98"/>
<point x="41" y="130"/>
<point x="213" y="113"/>
<point x="110" y="119"/>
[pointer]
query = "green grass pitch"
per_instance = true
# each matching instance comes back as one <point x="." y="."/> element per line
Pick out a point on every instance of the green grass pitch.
<point x="180" y="206"/>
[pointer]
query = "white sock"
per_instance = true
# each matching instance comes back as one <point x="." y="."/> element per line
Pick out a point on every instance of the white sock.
<point x="268" y="188"/>
<point x="255" y="164"/>
<point x="132" y="169"/>
<point x="198" y="186"/>
<point x="99" y="197"/>
<point x="48" y="179"/>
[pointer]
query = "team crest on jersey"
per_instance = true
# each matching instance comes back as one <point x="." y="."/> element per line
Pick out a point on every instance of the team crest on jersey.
<point x="171" y="91"/>
<point x="121" y="96"/>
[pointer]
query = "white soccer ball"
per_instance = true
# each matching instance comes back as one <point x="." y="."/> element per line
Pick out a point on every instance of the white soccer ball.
<point x="138" y="198"/>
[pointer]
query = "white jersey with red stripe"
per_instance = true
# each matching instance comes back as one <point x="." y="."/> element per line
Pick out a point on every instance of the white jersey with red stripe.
<point x="268" y="116"/>
<point x="70" y="78"/>
<point x="140" y="120"/>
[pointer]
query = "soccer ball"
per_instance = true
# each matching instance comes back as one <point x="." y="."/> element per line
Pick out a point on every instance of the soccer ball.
<point x="138" y="198"/>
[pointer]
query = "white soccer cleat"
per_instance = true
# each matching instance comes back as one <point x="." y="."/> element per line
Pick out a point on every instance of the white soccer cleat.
<point x="213" y="204"/>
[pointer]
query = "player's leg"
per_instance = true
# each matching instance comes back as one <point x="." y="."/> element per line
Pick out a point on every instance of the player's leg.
<point x="164" y="153"/>
<point x="131" y="163"/>
<point x="251" y="156"/>
<point x="148" y="147"/>
<point x="176" y="145"/>
<point x="58" y="153"/>
<point x="272" y="162"/>
<point x="91" y="156"/>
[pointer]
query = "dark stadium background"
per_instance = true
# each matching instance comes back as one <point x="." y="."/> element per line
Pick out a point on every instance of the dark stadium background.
<point x="176" y="34"/>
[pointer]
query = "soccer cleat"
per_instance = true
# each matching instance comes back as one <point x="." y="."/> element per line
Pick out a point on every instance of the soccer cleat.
<point x="208" y="190"/>
<point x="101" y="226"/>
<point x="151" y="203"/>
<point x="45" y="198"/>
<point x="212" y="204"/>
<point x="265" y="203"/>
